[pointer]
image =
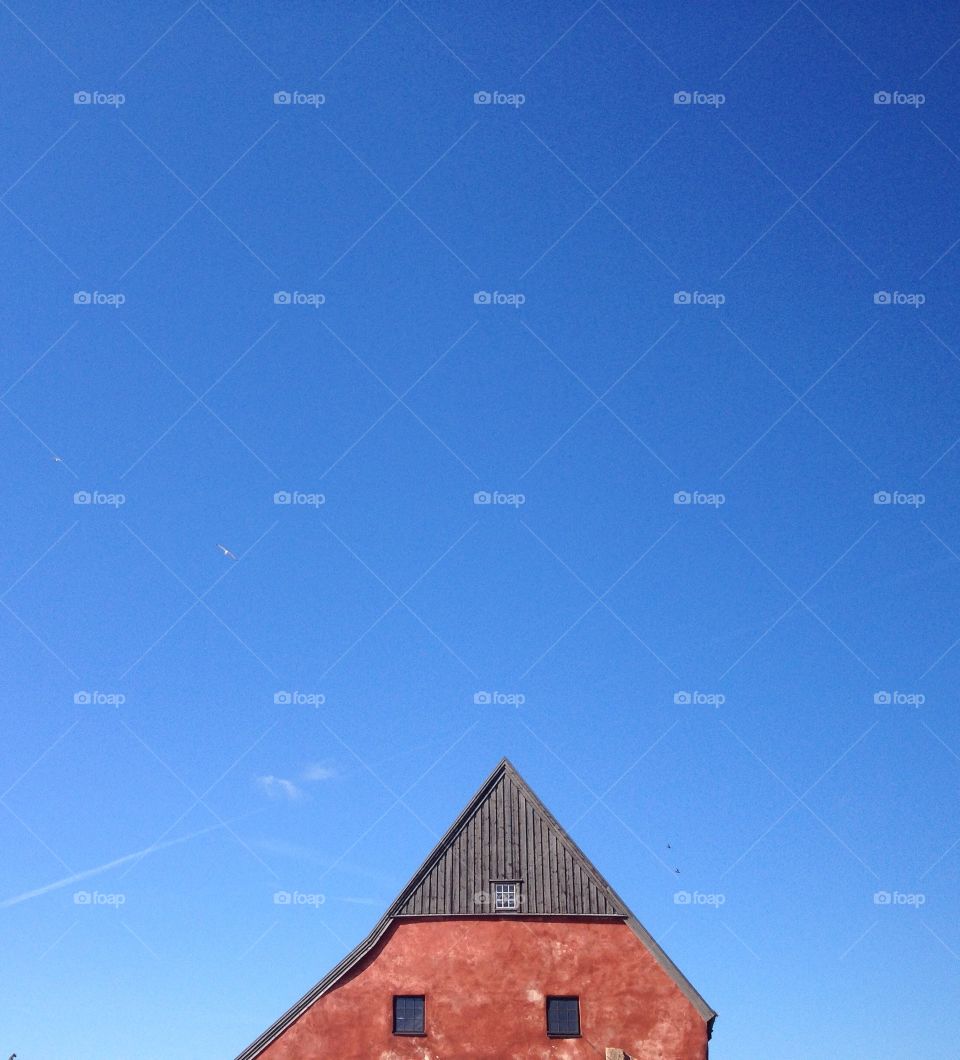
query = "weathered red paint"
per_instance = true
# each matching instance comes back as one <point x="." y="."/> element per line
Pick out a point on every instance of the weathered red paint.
<point x="485" y="981"/>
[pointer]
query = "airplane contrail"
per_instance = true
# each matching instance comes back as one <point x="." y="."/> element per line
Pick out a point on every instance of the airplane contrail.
<point x="57" y="884"/>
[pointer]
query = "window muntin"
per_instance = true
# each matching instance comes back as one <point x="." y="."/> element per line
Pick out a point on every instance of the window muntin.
<point x="563" y="1017"/>
<point x="408" y="1014"/>
<point x="506" y="896"/>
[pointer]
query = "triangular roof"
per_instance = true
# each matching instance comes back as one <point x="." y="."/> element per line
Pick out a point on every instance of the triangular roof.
<point x="504" y="833"/>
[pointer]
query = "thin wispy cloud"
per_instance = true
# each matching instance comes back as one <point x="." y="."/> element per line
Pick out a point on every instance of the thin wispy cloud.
<point x="279" y="788"/>
<point x="284" y="788"/>
<point x="319" y="772"/>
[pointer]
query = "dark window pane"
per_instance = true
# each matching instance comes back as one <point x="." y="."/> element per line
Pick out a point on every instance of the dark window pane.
<point x="408" y="1014"/>
<point x="563" y="1015"/>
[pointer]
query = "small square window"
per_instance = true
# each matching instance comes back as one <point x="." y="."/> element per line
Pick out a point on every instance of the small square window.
<point x="408" y="1014"/>
<point x="506" y="896"/>
<point x="563" y="1017"/>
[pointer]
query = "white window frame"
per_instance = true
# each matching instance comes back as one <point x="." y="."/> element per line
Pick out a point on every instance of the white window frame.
<point x="506" y="896"/>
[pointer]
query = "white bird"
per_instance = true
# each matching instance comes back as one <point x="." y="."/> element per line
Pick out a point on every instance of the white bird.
<point x="226" y="551"/>
<point x="57" y="460"/>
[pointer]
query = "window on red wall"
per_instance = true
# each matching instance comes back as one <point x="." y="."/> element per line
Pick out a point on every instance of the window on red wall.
<point x="408" y="1016"/>
<point x="563" y="1017"/>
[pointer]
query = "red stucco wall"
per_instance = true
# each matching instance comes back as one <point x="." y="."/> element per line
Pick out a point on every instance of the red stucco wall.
<point x="485" y="983"/>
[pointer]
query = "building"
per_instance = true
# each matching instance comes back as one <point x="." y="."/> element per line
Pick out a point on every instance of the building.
<point x="507" y="943"/>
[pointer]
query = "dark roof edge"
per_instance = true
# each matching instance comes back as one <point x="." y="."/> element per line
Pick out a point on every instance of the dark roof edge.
<point x="686" y="987"/>
<point x="360" y="951"/>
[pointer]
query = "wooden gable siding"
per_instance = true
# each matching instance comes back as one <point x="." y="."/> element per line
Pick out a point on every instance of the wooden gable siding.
<point x="509" y="835"/>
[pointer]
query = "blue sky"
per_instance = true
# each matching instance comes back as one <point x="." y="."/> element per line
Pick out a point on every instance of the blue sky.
<point x="684" y="298"/>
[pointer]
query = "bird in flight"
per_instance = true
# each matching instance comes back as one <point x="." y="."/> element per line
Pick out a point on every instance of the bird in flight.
<point x="226" y="551"/>
<point x="57" y="460"/>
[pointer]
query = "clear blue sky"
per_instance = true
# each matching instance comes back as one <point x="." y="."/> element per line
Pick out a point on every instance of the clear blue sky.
<point x="599" y="600"/>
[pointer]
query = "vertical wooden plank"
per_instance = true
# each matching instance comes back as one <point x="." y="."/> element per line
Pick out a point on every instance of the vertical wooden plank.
<point x="498" y="825"/>
<point x="522" y="851"/>
<point x="568" y="879"/>
<point x="477" y="849"/>
<point x="534" y="861"/>
<point x="508" y="829"/>
<point x="485" y="849"/>
<point x="446" y="901"/>
<point x="460" y="868"/>
<point x="543" y="868"/>
<point x="554" y="882"/>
